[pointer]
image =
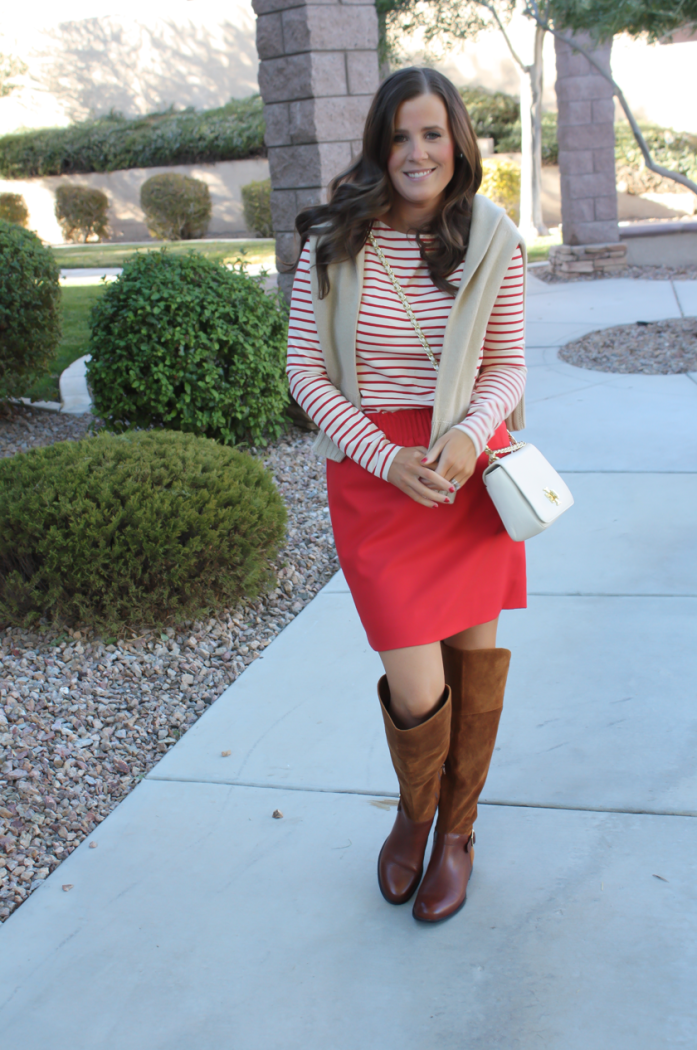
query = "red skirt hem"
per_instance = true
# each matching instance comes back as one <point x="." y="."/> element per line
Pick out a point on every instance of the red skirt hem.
<point x="419" y="575"/>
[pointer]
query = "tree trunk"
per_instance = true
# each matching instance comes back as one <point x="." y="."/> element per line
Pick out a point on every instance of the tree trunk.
<point x="531" y="224"/>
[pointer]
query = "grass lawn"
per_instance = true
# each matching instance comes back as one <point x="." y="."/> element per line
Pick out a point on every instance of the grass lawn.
<point x="76" y="304"/>
<point x="538" y="251"/>
<point x="259" y="250"/>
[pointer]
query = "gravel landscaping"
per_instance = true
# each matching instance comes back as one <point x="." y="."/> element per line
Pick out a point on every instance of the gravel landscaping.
<point x="83" y="718"/>
<point x="24" y="427"/>
<point x="650" y="347"/>
<point x="643" y="273"/>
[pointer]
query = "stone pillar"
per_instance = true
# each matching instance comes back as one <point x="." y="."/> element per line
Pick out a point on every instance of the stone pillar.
<point x="317" y="76"/>
<point x="586" y="132"/>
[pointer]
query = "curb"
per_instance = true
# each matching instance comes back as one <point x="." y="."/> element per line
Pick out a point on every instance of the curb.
<point x="75" y="395"/>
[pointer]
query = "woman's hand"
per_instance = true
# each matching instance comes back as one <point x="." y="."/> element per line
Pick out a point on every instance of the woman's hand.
<point x="454" y="456"/>
<point x="408" y="473"/>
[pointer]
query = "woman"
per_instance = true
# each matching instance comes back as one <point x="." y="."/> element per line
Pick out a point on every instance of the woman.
<point x="409" y="375"/>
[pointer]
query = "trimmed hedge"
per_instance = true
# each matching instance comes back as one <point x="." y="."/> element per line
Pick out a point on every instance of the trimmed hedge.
<point x="138" y="528"/>
<point x="82" y="212"/>
<point x="13" y="208"/>
<point x="30" y="309"/>
<point x="256" y="201"/>
<point x="180" y="341"/>
<point x="113" y="142"/>
<point x="176" y="207"/>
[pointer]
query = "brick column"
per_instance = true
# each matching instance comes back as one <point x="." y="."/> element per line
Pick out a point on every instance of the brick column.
<point x="317" y="75"/>
<point x="586" y="132"/>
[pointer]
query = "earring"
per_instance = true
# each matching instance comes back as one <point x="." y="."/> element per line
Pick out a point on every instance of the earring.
<point x="460" y="156"/>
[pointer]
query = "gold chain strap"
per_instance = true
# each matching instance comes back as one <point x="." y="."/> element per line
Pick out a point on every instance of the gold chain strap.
<point x="491" y="453"/>
<point x="494" y="454"/>
<point x="405" y="302"/>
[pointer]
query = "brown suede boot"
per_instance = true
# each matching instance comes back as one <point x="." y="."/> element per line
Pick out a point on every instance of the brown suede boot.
<point x="477" y="678"/>
<point x="417" y="756"/>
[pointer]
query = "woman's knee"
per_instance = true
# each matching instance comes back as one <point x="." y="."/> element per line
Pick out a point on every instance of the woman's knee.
<point x="416" y="679"/>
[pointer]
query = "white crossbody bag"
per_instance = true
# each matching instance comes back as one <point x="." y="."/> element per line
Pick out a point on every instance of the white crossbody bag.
<point x="524" y="487"/>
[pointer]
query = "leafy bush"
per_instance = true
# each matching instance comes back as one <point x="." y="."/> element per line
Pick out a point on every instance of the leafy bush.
<point x="492" y="112"/>
<point x="673" y="149"/>
<point x="30" y="319"/>
<point x="82" y="212"/>
<point x="177" y="207"/>
<point x="501" y="183"/>
<point x="496" y="115"/>
<point x="110" y="143"/>
<point x="13" y="208"/>
<point x="511" y="141"/>
<point x="256" y="198"/>
<point x="140" y="527"/>
<point x="180" y="341"/>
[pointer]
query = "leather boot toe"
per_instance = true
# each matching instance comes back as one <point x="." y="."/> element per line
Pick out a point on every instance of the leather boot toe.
<point x="400" y="864"/>
<point x="444" y="888"/>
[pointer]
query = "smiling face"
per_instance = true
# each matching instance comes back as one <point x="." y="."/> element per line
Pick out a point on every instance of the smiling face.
<point x="422" y="161"/>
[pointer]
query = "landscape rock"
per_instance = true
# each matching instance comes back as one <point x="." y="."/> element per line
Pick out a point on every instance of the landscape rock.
<point x="84" y="718"/>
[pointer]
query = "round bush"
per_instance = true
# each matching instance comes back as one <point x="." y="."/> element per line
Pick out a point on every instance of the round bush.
<point x="501" y="183"/>
<point x="13" y="208"/>
<point x="139" y="528"/>
<point x="177" y="207"/>
<point x="30" y="309"/>
<point x="256" y="204"/>
<point x="82" y="212"/>
<point x="180" y="341"/>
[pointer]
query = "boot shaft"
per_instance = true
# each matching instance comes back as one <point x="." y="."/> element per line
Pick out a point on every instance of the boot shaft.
<point x="418" y="755"/>
<point x="477" y="679"/>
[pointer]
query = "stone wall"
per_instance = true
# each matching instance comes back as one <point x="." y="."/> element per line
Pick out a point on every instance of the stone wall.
<point x="586" y="146"/>
<point x="317" y="75"/>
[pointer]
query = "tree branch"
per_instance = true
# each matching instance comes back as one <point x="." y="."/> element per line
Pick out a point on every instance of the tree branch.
<point x="532" y="10"/>
<point x="492" y="11"/>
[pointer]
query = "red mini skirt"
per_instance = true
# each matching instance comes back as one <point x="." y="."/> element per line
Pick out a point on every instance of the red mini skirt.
<point x="415" y="576"/>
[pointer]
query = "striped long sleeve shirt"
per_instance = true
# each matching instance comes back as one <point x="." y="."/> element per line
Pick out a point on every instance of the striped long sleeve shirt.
<point x="394" y="371"/>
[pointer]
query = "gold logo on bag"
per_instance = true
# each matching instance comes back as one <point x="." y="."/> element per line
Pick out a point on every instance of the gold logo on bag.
<point x="551" y="496"/>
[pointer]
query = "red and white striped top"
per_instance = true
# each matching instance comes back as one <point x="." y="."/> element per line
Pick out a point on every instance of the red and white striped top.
<point x="393" y="369"/>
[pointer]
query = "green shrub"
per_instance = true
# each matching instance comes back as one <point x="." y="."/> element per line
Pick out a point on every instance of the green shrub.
<point x="501" y="183"/>
<point x="511" y="141"/>
<point x="177" y="207"/>
<point x="111" y="143"/>
<point x="140" y="527"/>
<point x="30" y="299"/>
<point x="13" y="208"/>
<point x="180" y="341"/>
<point x="492" y="112"/>
<point x="256" y="198"/>
<point x="673" y="149"/>
<point x="82" y="212"/>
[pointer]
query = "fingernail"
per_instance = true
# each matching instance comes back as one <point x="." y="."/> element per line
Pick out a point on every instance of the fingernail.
<point x="451" y="489"/>
<point x="423" y="460"/>
<point x="447" y="500"/>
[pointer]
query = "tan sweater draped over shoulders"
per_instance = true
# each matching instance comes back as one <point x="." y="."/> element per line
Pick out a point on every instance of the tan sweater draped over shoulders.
<point x="493" y="240"/>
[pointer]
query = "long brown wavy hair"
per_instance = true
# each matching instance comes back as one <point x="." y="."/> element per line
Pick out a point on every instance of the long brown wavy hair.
<point x="364" y="192"/>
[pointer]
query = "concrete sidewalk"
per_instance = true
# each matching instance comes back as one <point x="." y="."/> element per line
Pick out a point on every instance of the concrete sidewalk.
<point x="201" y="923"/>
<point x="76" y="276"/>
